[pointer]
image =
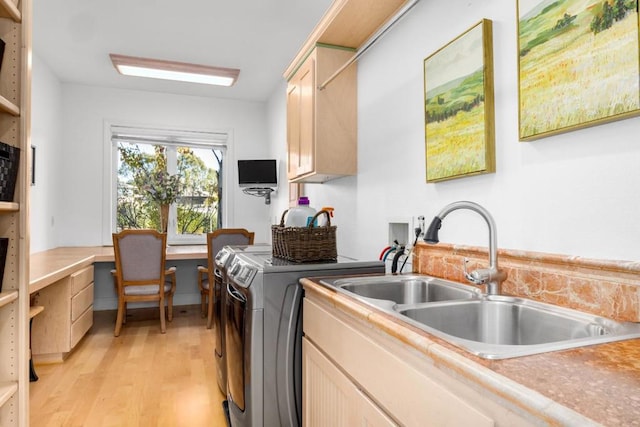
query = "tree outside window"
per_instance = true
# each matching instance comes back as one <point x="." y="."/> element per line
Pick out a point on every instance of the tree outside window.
<point x="195" y="209"/>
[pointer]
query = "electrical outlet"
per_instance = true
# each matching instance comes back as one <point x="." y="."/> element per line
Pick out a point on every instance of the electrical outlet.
<point x="418" y="221"/>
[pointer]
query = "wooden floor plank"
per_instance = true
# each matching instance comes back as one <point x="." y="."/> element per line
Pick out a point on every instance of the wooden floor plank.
<point x="141" y="378"/>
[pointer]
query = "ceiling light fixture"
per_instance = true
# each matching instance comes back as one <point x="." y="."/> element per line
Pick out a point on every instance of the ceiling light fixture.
<point x="170" y="70"/>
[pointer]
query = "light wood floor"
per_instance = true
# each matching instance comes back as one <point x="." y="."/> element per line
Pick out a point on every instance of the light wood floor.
<point x="142" y="378"/>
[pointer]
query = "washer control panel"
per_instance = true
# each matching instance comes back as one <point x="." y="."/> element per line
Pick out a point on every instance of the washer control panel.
<point x="222" y="256"/>
<point x="241" y="272"/>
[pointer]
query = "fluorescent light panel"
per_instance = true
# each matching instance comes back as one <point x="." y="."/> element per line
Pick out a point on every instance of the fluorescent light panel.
<point x="170" y="70"/>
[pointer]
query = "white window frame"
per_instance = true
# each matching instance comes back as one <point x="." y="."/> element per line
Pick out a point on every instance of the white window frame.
<point x="219" y="136"/>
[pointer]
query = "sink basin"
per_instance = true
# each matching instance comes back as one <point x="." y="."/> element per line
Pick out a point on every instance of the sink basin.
<point x="405" y="289"/>
<point x="504" y="322"/>
<point x="497" y="326"/>
<point x="489" y="326"/>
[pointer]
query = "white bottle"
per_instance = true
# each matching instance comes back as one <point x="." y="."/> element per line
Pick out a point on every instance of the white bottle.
<point x="301" y="215"/>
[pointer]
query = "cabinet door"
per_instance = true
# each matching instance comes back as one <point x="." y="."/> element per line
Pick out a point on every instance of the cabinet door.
<point x="307" y="116"/>
<point x="300" y="120"/>
<point x="293" y="127"/>
<point x="330" y="398"/>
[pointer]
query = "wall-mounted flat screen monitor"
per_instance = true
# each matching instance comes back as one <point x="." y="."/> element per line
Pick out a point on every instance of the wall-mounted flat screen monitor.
<point x="257" y="173"/>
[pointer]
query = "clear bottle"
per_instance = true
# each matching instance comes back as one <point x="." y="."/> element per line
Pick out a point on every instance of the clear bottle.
<point x="301" y="215"/>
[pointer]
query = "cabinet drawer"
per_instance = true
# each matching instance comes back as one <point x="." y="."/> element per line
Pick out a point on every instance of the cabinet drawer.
<point x="81" y="301"/>
<point x="81" y="279"/>
<point x="81" y="326"/>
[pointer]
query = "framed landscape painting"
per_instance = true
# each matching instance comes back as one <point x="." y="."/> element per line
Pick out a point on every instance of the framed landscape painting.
<point x="578" y="64"/>
<point x="459" y="111"/>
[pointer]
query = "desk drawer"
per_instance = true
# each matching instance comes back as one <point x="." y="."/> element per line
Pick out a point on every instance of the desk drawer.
<point x="81" y="279"/>
<point x="81" y="301"/>
<point x="81" y="326"/>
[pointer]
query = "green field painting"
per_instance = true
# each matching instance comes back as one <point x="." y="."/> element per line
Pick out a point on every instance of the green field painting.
<point x="578" y="64"/>
<point x="458" y="115"/>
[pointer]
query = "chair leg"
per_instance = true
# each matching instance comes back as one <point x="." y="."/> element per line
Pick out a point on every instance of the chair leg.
<point x="163" y="327"/>
<point x="203" y="303"/>
<point x="210" y="313"/>
<point x="124" y="315"/>
<point x="170" y="307"/>
<point x="119" y="322"/>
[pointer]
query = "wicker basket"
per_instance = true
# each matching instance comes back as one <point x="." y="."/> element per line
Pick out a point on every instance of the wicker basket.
<point x="9" y="160"/>
<point x="304" y="244"/>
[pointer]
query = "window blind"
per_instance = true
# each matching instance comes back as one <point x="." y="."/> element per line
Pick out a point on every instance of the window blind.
<point x="169" y="137"/>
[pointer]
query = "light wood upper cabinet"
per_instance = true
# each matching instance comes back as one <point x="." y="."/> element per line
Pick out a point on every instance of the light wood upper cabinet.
<point x="321" y="124"/>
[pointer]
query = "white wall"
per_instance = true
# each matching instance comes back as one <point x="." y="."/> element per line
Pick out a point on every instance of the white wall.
<point x="277" y="132"/>
<point x="85" y="109"/>
<point x="575" y="193"/>
<point x="46" y="136"/>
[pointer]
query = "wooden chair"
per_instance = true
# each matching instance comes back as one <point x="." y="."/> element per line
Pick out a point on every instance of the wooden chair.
<point x="216" y="240"/>
<point x="140" y="257"/>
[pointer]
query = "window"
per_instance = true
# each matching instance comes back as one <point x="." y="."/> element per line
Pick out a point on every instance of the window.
<point x="198" y="158"/>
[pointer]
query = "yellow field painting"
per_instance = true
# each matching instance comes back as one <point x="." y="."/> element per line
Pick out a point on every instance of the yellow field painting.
<point x="576" y="77"/>
<point x="463" y="154"/>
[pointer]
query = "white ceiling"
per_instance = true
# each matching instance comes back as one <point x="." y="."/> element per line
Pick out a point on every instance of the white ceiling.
<point x="260" y="37"/>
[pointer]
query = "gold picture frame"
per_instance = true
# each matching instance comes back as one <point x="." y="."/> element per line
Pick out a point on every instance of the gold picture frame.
<point x="459" y="106"/>
<point x="578" y="65"/>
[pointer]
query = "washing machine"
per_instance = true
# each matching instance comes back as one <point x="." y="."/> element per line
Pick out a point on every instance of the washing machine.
<point x="263" y="335"/>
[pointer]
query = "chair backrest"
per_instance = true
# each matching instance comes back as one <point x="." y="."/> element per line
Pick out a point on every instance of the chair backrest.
<point x="222" y="237"/>
<point x="140" y="257"/>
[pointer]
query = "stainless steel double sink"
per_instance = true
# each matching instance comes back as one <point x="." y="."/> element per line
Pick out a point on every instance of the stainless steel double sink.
<point x="489" y="326"/>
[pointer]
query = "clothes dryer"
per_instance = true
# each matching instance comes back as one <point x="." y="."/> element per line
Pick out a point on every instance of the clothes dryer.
<point x="222" y="260"/>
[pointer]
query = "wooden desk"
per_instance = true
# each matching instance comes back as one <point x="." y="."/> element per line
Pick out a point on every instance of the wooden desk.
<point x="63" y="279"/>
<point x="49" y="266"/>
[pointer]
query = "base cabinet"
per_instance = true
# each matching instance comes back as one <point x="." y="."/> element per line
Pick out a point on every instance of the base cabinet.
<point x="331" y="399"/>
<point x="354" y="374"/>
<point x="67" y="316"/>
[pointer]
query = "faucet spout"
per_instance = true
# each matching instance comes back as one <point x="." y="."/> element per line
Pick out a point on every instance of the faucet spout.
<point x="490" y="276"/>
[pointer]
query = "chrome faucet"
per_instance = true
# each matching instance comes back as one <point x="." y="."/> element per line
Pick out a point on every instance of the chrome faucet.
<point x="490" y="276"/>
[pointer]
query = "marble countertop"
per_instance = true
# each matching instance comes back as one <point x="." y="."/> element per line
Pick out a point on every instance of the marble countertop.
<point x="586" y="386"/>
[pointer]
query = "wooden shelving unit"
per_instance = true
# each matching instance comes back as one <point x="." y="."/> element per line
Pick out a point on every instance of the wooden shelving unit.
<point x="15" y="124"/>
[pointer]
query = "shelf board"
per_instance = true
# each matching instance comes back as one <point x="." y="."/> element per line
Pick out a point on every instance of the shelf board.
<point x="8" y="296"/>
<point x="347" y="23"/>
<point x="8" y="9"/>
<point x="7" y="390"/>
<point x="9" y="207"/>
<point x="8" y="106"/>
